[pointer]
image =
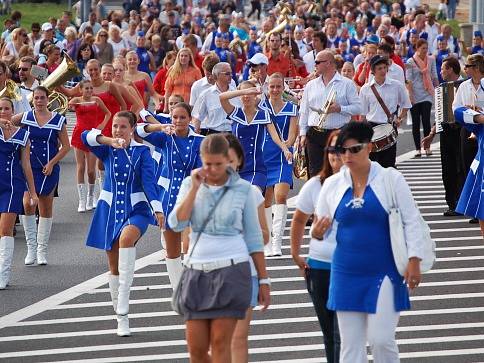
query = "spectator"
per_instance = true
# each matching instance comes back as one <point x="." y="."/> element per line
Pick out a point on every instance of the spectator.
<point x="47" y="34"/>
<point x="181" y="76"/>
<point x="278" y="62"/>
<point x="12" y="47"/>
<point x="53" y="58"/>
<point x="175" y="28"/>
<point x="34" y="35"/>
<point x="169" y="7"/>
<point x="120" y="45"/>
<point x="157" y="52"/>
<point x="130" y="34"/>
<point x="161" y="76"/>
<point x="92" y="22"/>
<point x="223" y="27"/>
<point x="85" y="53"/>
<point x="318" y="43"/>
<point x="71" y="44"/>
<point x="146" y="60"/>
<point x="60" y="30"/>
<point x="191" y="42"/>
<point x="104" y="50"/>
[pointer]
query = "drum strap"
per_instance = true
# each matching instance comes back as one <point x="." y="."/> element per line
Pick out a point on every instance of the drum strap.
<point x="380" y="101"/>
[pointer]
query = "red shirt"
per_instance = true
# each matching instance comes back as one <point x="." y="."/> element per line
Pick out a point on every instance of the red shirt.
<point x="279" y="64"/>
<point x="198" y="59"/>
<point x="159" y="80"/>
<point x="361" y="69"/>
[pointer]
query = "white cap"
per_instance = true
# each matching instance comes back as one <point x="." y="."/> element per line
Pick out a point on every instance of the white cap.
<point x="259" y="58"/>
<point x="47" y="27"/>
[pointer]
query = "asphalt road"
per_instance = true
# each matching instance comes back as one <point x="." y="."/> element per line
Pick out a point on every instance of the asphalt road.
<point x="61" y="312"/>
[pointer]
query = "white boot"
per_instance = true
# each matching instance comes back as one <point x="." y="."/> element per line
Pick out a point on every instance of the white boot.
<point x="30" y="229"/>
<point x="174" y="268"/>
<point x="6" y="255"/>
<point x="163" y="247"/>
<point x="280" y="217"/>
<point x="90" y="197"/>
<point x="43" y="235"/>
<point x="126" y="261"/>
<point x="268" y="247"/>
<point x="127" y="258"/>
<point x="81" y="190"/>
<point x="123" y="326"/>
<point x="100" y="182"/>
<point x="114" y="287"/>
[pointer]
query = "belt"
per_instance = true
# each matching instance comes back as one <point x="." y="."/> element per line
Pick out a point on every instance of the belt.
<point x="316" y="129"/>
<point x="210" y="266"/>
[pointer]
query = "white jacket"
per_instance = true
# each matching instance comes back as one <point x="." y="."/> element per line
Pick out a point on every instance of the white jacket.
<point x="335" y="187"/>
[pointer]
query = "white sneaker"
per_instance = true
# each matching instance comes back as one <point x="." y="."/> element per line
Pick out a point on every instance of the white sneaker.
<point x="123" y="326"/>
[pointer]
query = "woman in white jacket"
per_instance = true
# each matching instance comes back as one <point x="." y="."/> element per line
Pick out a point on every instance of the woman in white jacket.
<point x="366" y="290"/>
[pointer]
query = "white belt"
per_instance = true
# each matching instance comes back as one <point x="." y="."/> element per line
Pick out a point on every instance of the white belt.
<point x="210" y="266"/>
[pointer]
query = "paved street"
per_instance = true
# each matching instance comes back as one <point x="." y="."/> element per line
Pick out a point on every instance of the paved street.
<point x="62" y="312"/>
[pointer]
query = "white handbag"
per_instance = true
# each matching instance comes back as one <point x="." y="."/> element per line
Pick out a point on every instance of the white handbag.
<point x="397" y="234"/>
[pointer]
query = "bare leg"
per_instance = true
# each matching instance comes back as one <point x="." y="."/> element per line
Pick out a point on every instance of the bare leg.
<point x="240" y="344"/>
<point x="198" y="340"/>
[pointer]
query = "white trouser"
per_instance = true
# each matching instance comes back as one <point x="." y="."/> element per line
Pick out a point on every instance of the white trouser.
<point x="378" y="329"/>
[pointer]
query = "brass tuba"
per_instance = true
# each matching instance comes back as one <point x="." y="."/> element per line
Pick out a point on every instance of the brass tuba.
<point x="300" y="162"/>
<point x="11" y="90"/>
<point x="323" y="112"/>
<point x="68" y="69"/>
<point x="283" y="20"/>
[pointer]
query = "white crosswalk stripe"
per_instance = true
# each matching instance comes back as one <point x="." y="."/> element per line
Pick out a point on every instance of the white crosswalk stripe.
<point x="446" y="322"/>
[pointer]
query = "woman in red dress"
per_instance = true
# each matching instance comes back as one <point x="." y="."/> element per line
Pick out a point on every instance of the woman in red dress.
<point x="87" y="108"/>
<point x="141" y="80"/>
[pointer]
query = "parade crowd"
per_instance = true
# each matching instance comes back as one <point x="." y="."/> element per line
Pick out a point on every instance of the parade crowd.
<point x="196" y="117"/>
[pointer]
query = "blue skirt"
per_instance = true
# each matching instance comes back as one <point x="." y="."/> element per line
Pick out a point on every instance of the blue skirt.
<point x="11" y="199"/>
<point x="279" y="174"/>
<point x="45" y="185"/>
<point x="470" y="201"/>
<point x="255" y="178"/>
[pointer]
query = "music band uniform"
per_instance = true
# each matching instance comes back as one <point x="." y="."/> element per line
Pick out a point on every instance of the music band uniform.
<point x="315" y="95"/>
<point x="395" y="97"/>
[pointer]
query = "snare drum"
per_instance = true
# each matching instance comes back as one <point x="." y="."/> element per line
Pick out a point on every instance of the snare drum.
<point x="384" y="137"/>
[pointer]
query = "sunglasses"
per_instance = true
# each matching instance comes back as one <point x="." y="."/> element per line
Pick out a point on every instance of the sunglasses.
<point x="24" y="69"/>
<point x="469" y="65"/>
<point x="353" y="149"/>
<point x="320" y="61"/>
<point x="332" y="149"/>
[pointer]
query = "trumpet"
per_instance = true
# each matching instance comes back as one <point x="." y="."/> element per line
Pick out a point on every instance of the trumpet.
<point x="11" y="90"/>
<point x="323" y="112"/>
<point x="300" y="162"/>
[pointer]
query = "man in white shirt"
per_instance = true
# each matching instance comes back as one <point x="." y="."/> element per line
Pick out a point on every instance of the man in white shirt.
<point x="24" y="68"/>
<point x="201" y="85"/>
<point x="393" y="95"/>
<point x="208" y="116"/>
<point x="319" y="42"/>
<point x="21" y="105"/>
<point x="92" y="22"/>
<point x="339" y="112"/>
<point x="299" y="40"/>
<point x="47" y="34"/>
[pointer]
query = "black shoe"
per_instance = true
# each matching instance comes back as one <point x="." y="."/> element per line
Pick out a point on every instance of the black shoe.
<point x="310" y="221"/>
<point x="451" y="213"/>
<point x="473" y="221"/>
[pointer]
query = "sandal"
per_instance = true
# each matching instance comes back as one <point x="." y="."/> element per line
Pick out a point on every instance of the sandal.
<point x="428" y="152"/>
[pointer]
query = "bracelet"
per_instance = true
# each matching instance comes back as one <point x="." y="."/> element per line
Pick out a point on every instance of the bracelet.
<point x="266" y="281"/>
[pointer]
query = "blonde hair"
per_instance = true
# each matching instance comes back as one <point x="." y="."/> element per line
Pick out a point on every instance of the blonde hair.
<point x="170" y="55"/>
<point x="16" y="33"/>
<point x="176" y="69"/>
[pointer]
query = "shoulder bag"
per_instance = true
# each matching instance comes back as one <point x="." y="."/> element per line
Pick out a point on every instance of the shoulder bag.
<point x="390" y="116"/>
<point x="397" y="234"/>
<point x="176" y="304"/>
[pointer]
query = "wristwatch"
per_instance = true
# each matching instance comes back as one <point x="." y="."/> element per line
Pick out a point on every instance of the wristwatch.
<point x="266" y="281"/>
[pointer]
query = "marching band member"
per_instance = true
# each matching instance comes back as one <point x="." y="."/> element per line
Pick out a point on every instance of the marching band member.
<point x="208" y="115"/>
<point x="115" y="73"/>
<point x="126" y="206"/>
<point x="180" y="147"/>
<point x="279" y="170"/>
<point x="17" y="174"/>
<point x="453" y="173"/>
<point x="422" y="78"/>
<point x="339" y="112"/>
<point x="317" y="268"/>
<point x="47" y="130"/>
<point x="470" y="96"/>
<point x="141" y="80"/>
<point x="86" y="108"/>
<point x="381" y="100"/>
<point x="21" y="105"/>
<point x="249" y="123"/>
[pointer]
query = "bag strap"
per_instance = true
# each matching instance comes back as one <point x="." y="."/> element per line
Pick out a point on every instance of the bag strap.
<point x="380" y="101"/>
<point x="389" y="190"/>
<point x="205" y="222"/>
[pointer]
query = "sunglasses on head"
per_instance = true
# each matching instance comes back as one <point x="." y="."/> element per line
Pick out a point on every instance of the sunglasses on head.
<point x="469" y="65"/>
<point x="353" y="149"/>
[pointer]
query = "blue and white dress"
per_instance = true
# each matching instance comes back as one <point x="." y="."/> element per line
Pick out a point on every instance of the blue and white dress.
<point x="156" y="152"/>
<point x="12" y="179"/>
<point x="180" y="156"/>
<point x="44" y="146"/>
<point x="251" y="136"/>
<point x="129" y="186"/>
<point x="471" y="201"/>
<point x="278" y="169"/>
